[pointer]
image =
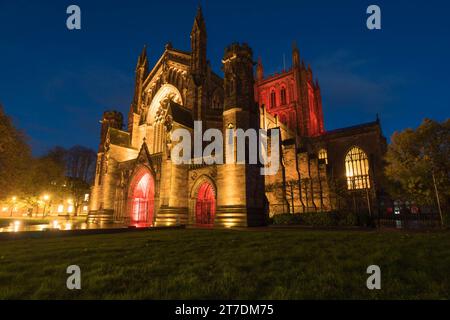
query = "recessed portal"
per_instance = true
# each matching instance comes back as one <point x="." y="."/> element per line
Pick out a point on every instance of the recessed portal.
<point x="142" y="199"/>
<point x="205" y="206"/>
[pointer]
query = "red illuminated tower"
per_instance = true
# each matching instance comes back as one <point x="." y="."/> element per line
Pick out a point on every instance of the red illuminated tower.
<point x="293" y="96"/>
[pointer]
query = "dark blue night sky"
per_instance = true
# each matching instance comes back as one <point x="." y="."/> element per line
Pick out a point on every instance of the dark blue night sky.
<point x="55" y="83"/>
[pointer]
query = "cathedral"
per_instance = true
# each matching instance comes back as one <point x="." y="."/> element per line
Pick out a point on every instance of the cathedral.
<point x="137" y="183"/>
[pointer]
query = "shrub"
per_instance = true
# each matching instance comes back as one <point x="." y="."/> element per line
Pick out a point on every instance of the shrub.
<point x="347" y="219"/>
<point x="318" y="219"/>
<point x="365" y="220"/>
<point x="286" y="219"/>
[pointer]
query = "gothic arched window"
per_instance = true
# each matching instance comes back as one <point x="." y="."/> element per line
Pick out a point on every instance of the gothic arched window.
<point x="323" y="155"/>
<point x="273" y="99"/>
<point x="357" y="169"/>
<point x="283" y="96"/>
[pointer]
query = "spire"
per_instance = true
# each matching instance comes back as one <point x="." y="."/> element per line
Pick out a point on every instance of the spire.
<point x="199" y="20"/>
<point x="144" y="52"/>
<point x="142" y="59"/>
<point x="198" y="47"/>
<point x="295" y="55"/>
<point x="310" y="74"/>
<point x="141" y="73"/>
<point x="259" y="70"/>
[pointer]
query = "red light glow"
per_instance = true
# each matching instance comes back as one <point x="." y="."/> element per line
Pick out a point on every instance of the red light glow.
<point x="205" y="207"/>
<point x="142" y="199"/>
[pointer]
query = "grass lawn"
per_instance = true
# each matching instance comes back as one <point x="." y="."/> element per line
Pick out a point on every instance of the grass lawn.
<point x="229" y="264"/>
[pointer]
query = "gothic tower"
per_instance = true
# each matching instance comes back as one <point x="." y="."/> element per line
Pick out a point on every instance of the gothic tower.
<point x="134" y="116"/>
<point x="198" y="67"/>
<point x="111" y="119"/>
<point x="101" y="193"/>
<point x="309" y="107"/>
<point x="240" y="200"/>
<point x="259" y="70"/>
<point x="141" y="73"/>
<point x="198" y="47"/>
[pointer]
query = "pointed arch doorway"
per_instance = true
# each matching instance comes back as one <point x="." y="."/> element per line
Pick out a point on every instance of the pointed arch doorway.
<point x="205" y="205"/>
<point x="142" y="199"/>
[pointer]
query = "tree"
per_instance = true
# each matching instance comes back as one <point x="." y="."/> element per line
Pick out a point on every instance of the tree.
<point x="60" y="172"/>
<point x="15" y="156"/>
<point x="80" y="163"/>
<point x="414" y="157"/>
<point x="77" y="188"/>
<point x="45" y="176"/>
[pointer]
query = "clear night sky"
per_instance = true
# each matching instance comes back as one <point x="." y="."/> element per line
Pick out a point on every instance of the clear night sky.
<point x="55" y="83"/>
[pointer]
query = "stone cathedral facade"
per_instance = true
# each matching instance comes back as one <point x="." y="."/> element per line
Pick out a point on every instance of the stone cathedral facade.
<point x="137" y="183"/>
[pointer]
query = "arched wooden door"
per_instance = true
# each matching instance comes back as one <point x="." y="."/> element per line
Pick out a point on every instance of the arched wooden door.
<point x="205" y="205"/>
<point x="142" y="197"/>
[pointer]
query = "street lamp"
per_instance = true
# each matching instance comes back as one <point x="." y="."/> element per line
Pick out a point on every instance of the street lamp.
<point x="14" y="199"/>
<point x="46" y="197"/>
<point x="70" y="206"/>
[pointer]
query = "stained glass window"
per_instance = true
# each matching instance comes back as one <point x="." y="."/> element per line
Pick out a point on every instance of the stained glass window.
<point x="323" y="155"/>
<point x="357" y="169"/>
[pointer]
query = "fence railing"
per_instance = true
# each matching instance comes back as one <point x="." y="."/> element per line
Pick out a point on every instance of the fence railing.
<point x="409" y="220"/>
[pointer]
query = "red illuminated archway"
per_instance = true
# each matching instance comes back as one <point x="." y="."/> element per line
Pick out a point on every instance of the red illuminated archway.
<point x="205" y="205"/>
<point x="141" y="200"/>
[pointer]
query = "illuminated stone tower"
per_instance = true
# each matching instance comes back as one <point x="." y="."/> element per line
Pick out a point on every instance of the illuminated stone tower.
<point x="134" y="116"/>
<point x="198" y="47"/>
<point x="102" y="194"/>
<point x="292" y="96"/>
<point x="198" y="67"/>
<point x="240" y="200"/>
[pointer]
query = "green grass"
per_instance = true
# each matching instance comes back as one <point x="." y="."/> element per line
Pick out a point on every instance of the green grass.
<point x="229" y="264"/>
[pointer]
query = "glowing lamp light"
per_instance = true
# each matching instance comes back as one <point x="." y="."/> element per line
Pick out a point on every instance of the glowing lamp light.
<point x="4" y="209"/>
<point x="70" y="209"/>
<point x="14" y="199"/>
<point x="16" y="226"/>
<point x="68" y="226"/>
<point x="46" y="197"/>
<point x="60" y="208"/>
<point x="55" y="224"/>
<point x="85" y="208"/>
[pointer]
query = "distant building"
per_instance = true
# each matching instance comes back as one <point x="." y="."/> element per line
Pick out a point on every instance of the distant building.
<point x="137" y="183"/>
